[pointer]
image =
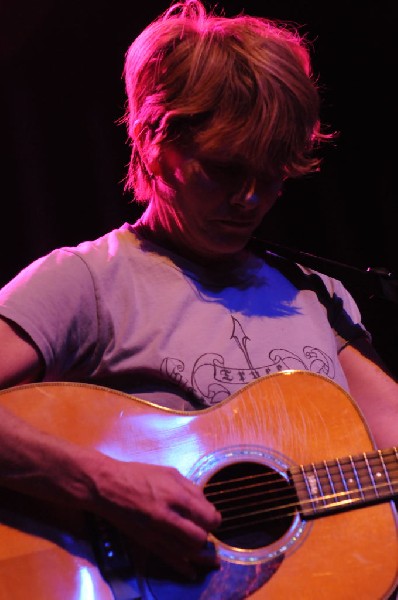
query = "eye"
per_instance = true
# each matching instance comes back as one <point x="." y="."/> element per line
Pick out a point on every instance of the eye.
<point x="223" y="172"/>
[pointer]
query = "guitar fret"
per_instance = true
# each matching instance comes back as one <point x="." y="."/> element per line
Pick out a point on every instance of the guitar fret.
<point x="350" y="491"/>
<point x="321" y="498"/>
<point x="385" y="471"/>
<point x="381" y="480"/>
<point x="389" y="463"/>
<point x="336" y="488"/>
<point x="311" y="489"/>
<point x="328" y="471"/>
<point x="370" y="473"/>
<point x="355" y="474"/>
<point x="334" y="485"/>
<point x="344" y="482"/>
<point x="317" y="482"/>
<point x="343" y="479"/>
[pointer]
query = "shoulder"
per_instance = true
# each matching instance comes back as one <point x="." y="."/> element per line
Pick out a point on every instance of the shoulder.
<point x="112" y="244"/>
<point x="101" y="257"/>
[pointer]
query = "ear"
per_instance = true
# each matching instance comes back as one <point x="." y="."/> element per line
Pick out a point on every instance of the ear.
<point x="148" y="151"/>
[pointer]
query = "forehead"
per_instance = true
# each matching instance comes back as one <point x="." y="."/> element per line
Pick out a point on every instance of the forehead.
<point x="222" y="155"/>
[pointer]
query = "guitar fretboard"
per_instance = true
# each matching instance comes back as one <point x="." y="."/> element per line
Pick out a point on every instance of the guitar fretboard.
<point x="346" y="483"/>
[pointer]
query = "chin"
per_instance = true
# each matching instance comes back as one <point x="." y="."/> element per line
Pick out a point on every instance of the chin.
<point x="225" y="252"/>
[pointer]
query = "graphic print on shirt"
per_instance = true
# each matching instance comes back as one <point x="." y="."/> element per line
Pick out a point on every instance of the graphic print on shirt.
<point x="212" y="380"/>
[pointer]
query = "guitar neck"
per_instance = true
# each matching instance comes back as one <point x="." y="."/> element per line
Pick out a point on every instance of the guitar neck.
<point x="342" y="484"/>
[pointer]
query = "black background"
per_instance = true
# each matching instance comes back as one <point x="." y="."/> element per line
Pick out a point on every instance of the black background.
<point x="63" y="156"/>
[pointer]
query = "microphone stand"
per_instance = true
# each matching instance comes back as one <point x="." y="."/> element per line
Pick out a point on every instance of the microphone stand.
<point x="380" y="282"/>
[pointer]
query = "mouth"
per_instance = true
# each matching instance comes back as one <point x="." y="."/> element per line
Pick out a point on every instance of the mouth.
<point x="235" y="223"/>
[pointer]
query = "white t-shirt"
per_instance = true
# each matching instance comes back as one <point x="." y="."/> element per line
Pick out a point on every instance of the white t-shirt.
<point x="121" y="312"/>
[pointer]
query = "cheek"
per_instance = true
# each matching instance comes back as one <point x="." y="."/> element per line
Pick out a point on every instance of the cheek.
<point x="202" y="195"/>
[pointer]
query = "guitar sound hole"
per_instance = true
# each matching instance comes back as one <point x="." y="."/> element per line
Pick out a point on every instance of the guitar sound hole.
<point x="255" y="502"/>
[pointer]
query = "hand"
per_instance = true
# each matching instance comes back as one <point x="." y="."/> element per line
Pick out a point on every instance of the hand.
<point x="161" y="510"/>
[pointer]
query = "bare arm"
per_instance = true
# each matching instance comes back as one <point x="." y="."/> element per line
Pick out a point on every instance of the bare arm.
<point x="156" y="506"/>
<point x="376" y="394"/>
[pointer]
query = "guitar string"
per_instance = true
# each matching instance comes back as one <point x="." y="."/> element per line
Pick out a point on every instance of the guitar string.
<point x="332" y="500"/>
<point x="272" y="513"/>
<point x="367" y="461"/>
<point x="332" y="469"/>
<point x="362" y="463"/>
<point x="323" y="479"/>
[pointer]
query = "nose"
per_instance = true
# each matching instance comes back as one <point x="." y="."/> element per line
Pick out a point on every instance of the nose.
<point x="246" y="195"/>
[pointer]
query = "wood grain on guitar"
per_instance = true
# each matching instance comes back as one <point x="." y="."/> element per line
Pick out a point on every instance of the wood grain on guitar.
<point x="287" y="459"/>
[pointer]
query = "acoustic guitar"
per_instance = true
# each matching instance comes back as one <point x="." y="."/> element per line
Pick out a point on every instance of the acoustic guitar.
<point x="288" y="460"/>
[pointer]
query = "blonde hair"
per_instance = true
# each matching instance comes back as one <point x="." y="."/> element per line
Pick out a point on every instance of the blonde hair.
<point x="242" y="85"/>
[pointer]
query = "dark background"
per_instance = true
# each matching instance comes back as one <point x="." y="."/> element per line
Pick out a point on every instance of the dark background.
<point x="63" y="156"/>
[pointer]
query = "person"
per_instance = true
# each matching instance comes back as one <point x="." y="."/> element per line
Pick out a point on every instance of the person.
<point x="183" y="307"/>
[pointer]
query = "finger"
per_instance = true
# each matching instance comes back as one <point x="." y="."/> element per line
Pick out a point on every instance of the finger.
<point x="192" y="503"/>
<point x="195" y="506"/>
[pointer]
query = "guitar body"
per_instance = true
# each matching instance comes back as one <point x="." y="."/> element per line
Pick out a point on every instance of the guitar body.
<point x="290" y="418"/>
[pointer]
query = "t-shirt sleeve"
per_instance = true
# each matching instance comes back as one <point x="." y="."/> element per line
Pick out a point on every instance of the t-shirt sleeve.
<point x="54" y="301"/>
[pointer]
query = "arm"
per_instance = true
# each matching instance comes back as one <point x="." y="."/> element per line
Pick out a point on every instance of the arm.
<point x="155" y="505"/>
<point x="375" y="392"/>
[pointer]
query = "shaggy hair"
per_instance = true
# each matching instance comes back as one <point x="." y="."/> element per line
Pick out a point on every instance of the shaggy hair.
<point x="239" y="86"/>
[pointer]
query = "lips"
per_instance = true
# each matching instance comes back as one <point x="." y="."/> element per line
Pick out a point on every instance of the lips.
<point x="236" y="223"/>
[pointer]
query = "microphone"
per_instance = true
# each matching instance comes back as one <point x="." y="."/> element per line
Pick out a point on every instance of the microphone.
<point x="381" y="280"/>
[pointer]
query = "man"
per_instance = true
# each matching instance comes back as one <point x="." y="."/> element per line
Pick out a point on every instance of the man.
<point x="182" y="308"/>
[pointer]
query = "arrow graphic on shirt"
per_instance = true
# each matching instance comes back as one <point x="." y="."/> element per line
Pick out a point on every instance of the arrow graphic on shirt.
<point x="241" y="339"/>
